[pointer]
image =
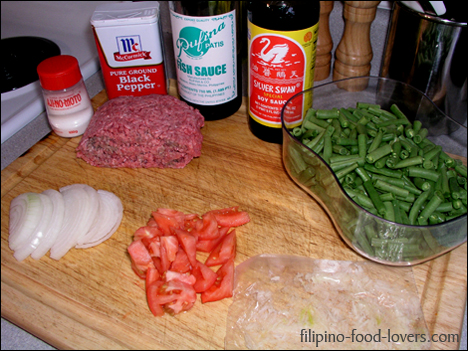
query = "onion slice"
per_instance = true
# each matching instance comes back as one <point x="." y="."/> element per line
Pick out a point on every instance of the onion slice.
<point x="25" y="214"/>
<point x="108" y="221"/>
<point x="77" y="219"/>
<point x="56" y="222"/>
<point x="37" y="235"/>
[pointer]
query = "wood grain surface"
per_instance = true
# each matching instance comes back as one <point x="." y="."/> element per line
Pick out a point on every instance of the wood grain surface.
<point x="91" y="299"/>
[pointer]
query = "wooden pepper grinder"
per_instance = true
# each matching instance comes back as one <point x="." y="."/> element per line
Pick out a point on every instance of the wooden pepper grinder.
<point x="354" y="52"/>
<point x="324" y="42"/>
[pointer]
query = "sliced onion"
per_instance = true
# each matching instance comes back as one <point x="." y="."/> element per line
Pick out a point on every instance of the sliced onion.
<point x="77" y="219"/>
<point x="56" y="222"/>
<point x="109" y="219"/>
<point x="25" y="214"/>
<point x="77" y="216"/>
<point x="37" y="235"/>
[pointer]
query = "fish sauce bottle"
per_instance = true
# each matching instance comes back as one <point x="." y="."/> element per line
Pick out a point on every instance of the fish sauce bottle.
<point x="282" y="42"/>
<point x="207" y="55"/>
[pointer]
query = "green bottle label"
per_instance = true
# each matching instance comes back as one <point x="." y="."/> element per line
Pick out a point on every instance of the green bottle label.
<point x="206" y="57"/>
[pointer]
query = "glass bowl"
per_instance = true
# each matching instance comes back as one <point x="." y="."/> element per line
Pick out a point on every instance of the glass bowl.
<point x="371" y="236"/>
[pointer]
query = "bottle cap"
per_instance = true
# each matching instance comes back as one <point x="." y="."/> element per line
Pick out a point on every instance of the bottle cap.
<point x="59" y="72"/>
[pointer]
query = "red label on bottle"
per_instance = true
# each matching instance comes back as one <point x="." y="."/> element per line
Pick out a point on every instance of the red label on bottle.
<point x="277" y="68"/>
<point x="281" y="65"/>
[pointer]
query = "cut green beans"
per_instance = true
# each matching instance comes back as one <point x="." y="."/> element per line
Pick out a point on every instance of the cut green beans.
<point x="387" y="165"/>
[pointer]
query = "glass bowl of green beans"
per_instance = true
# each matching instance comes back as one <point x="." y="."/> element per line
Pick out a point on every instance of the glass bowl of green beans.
<point x="386" y="164"/>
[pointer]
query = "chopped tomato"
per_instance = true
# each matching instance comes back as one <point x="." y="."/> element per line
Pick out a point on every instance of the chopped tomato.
<point x="181" y="263"/>
<point x="173" y="296"/>
<point x="205" y="277"/>
<point x="164" y="253"/>
<point x="181" y="277"/>
<point x="168" y="249"/>
<point x="209" y="228"/>
<point x="151" y="294"/>
<point x="231" y="217"/>
<point x="147" y="232"/>
<point x="225" y="251"/>
<point x="168" y="220"/>
<point x="209" y="245"/>
<point x="141" y="258"/>
<point x="189" y="244"/>
<point x="224" y="284"/>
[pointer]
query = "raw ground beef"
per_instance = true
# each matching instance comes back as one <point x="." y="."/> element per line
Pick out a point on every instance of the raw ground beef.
<point x="142" y="132"/>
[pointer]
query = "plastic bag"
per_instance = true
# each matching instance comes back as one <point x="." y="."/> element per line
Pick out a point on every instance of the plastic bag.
<point x="288" y="302"/>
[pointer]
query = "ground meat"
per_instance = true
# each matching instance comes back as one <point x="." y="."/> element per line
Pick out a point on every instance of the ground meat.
<point x="142" y="132"/>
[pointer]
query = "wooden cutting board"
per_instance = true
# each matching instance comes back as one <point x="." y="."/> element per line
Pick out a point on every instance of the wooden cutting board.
<point x="91" y="299"/>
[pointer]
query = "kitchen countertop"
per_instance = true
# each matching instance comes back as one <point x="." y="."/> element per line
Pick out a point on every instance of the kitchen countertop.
<point x="37" y="295"/>
<point x="16" y="338"/>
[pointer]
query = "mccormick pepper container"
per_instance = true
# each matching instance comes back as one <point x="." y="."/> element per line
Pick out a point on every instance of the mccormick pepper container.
<point x="129" y="42"/>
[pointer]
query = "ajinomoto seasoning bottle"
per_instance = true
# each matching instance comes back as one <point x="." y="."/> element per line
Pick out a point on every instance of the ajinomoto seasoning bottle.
<point x="282" y="41"/>
<point x="68" y="106"/>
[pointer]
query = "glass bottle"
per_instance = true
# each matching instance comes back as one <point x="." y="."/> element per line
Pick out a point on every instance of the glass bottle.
<point x="282" y="41"/>
<point x="207" y="55"/>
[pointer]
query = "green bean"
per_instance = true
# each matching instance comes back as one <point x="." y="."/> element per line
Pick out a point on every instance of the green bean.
<point x="430" y="207"/>
<point x="454" y="188"/>
<point x="398" y="113"/>
<point x="414" y="212"/>
<point x="345" y="171"/>
<point x="379" y="153"/>
<point x="418" y="138"/>
<point x="386" y="172"/>
<point x="327" y="114"/>
<point x="374" y="196"/>
<point x="445" y="207"/>
<point x="461" y="169"/>
<point x="423" y="173"/>
<point x="389" y="211"/>
<point x="417" y="125"/>
<point x="310" y="125"/>
<point x="327" y="151"/>
<point x="361" y="172"/>
<point x="413" y="161"/>
<point x="363" y="200"/>
<point x="382" y="185"/>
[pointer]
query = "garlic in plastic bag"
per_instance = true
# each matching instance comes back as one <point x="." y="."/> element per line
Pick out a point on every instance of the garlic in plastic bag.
<point x="289" y="302"/>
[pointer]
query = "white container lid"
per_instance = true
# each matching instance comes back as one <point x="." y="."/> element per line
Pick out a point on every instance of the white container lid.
<point x="128" y="13"/>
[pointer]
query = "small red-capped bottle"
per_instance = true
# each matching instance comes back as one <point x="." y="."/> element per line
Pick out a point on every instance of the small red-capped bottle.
<point x="68" y="105"/>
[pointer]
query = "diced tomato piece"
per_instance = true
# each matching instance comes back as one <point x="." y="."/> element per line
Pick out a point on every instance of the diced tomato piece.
<point x="182" y="277"/>
<point x="152" y="223"/>
<point x="168" y="249"/>
<point x="171" y="245"/>
<point x="205" y="277"/>
<point x="189" y="244"/>
<point x="168" y="220"/>
<point x="152" y="275"/>
<point x="181" y="263"/>
<point x="185" y="297"/>
<point x="153" y="245"/>
<point x="151" y="295"/>
<point x="173" y="296"/>
<point x="209" y="245"/>
<point x="224" y="284"/>
<point x="231" y="217"/>
<point x="146" y="232"/>
<point x="209" y="229"/>
<point x="141" y="258"/>
<point x="225" y="251"/>
<point x="157" y="264"/>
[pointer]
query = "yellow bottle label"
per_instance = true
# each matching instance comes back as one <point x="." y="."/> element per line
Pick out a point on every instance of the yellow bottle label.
<point x="281" y="64"/>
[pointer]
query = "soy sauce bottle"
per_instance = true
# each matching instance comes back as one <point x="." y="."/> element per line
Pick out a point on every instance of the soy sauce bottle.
<point x="207" y="55"/>
<point x="282" y="41"/>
